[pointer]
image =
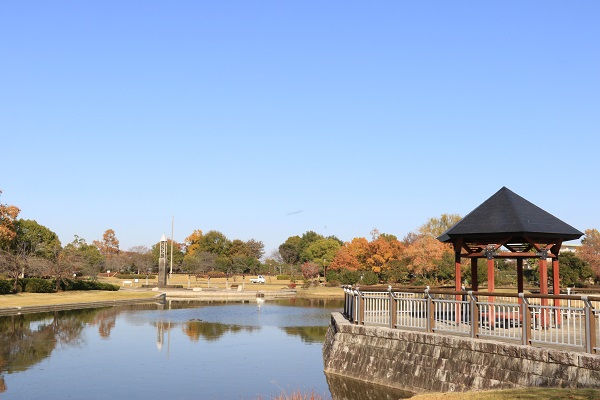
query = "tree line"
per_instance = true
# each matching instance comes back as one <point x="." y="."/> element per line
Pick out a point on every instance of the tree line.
<point x="28" y="248"/>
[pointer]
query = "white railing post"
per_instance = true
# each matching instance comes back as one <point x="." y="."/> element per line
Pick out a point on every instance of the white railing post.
<point x="569" y="304"/>
<point x="525" y="320"/>
<point x="346" y="305"/>
<point x="393" y="308"/>
<point x="430" y="311"/>
<point x="590" y="326"/>
<point x="360" y="306"/>
<point x="474" y="308"/>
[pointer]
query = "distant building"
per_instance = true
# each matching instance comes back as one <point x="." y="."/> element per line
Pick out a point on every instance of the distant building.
<point x="572" y="247"/>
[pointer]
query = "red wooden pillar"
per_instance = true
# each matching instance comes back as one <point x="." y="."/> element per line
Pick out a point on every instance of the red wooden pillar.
<point x="490" y="267"/>
<point x="491" y="288"/>
<point x="457" y="274"/>
<point x="555" y="278"/>
<point x="543" y="275"/>
<point x="544" y="289"/>
<point x="519" y="275"/>
<point x="457" y="286"/>
<point x="520" y="278"/>
<point x="474" y="276"/>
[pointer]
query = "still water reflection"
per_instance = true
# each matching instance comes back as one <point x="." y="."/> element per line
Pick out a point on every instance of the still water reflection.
<point x="180" y="350"/>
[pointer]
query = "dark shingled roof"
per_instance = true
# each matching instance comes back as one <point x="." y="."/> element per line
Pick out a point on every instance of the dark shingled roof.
<point x="508" y="214"/>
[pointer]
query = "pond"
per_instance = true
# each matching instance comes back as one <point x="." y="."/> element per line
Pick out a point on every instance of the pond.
<point x="179" y="350"/>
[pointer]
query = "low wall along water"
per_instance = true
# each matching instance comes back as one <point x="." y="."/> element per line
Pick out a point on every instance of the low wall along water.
<point x="420" y="362"/>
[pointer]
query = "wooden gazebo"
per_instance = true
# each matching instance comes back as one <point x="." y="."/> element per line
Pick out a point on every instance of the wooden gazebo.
<point x="508" y="226"/>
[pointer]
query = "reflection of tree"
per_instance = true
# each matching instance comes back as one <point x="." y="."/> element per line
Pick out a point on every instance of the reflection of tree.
<point x="308" y="334"/>
<point x="106" y="320"/>
<point x="313" y="303"/>
<point x="212" y="330"/>
<point x="20" y="346"/>
<point x="26" y="340"/>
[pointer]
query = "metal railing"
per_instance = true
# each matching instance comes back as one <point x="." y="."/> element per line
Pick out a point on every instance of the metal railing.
<point x="571" y="321"/>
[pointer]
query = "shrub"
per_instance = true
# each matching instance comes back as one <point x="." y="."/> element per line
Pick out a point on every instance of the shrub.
<point x="306" y="284"/>
<point x="283" y="277"/>
<point x="369" y="278"/>
<point x="348" y="277"/>
<point x="38" y="285"/>
<point x="134" y="276"/>
<point x="127" y="276"/>
<point x="78" y="284"/>
<point x="106" y="286"/>
<point x="216" y="274"/>
<point x="69" y="284"/>
<point x="333" y="276"/>
<point x="5" y="287"/>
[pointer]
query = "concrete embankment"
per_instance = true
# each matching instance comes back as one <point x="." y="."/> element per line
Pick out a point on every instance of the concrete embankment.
<point x="4" y="311"/>
<point x="421" y="362"/>
<point x="226" y="294"/>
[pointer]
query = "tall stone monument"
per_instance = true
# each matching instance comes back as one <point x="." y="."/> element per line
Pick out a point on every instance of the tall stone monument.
<point x="162" y="262"/>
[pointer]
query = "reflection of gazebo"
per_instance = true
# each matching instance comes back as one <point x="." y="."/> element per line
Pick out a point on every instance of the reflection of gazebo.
<point x="508" y="226"/>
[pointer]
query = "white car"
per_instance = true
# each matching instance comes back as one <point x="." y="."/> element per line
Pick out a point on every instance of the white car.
<point x="260" y="279"/>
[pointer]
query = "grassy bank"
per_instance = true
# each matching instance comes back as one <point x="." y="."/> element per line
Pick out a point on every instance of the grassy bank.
<point x="514" y="394"/>
<point x="135" y="291"/>
<point x="40" y="299"/>
<point x="272" y="284"/>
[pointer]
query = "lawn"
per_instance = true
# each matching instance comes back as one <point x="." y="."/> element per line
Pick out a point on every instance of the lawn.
<point x="135" y="291"/>
<point x="514" y="394"/>
<point x="40" y="299"/>
<point x="271" y="284"/>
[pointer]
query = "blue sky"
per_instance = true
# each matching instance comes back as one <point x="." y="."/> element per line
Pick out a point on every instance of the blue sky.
<point x="266" y="119"/>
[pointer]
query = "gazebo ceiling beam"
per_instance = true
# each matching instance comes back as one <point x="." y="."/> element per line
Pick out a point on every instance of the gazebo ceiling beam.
<point x="517" y="246"/>
<point x="469" y="248"/>
<point x="516" y="255"/>
<point x="541" y="246"/>
<point x="521" y="247"/>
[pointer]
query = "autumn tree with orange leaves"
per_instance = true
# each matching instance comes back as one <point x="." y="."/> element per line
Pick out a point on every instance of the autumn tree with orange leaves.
<point x="590" y="250"/>
<point x="426" y="257"/>
<point x="419" y="257"/>
<point x="376" y="255"/>
<point x="10" y="263"/>
<point x="351" y="256"/>
<point x="8" y="215"/>
<point x="192" y="242"/>
<point x="109" y="248"/>
<point x="423" y="254"/>
<point x="109" y="245"/>
<point x="384" y="248"/>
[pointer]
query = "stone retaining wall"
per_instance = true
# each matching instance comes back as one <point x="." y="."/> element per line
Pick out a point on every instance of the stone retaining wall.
<point x="421" y="362"/>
